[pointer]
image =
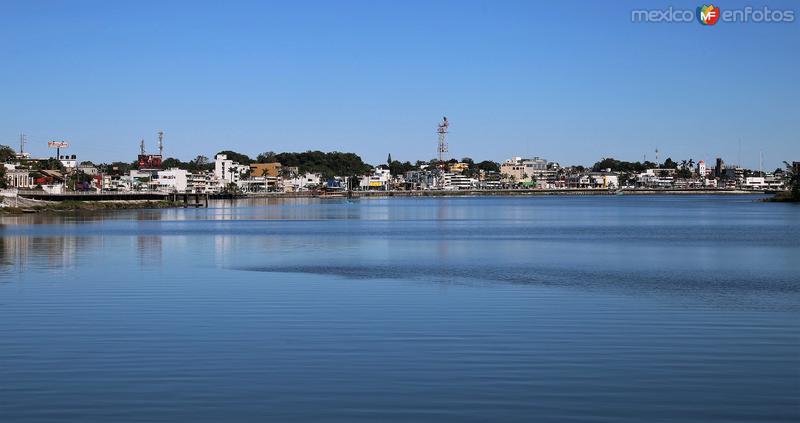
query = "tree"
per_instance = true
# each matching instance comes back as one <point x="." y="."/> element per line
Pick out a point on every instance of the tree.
<point x="398" y="168"/>
<point x="389" y="160"/>
<point x="670" y="164"/>
<point x="237" y="157"/>
<point x="794" y="181"/>
<point x="3" y="180"/>
<point x="684" y="173"/>
<point x="266" y="157"/>
<point x="7" y="154"/>
<point x="620" y="166"/>
<point x="199" y="163"/>
<point x="328" y="164"/>
<point x="488" y="166"/>
<point x="173" y="162"/>
<point x="49" y="164"/>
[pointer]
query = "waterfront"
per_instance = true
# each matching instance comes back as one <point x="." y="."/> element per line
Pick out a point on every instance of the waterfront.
<point x="607" y="308"/>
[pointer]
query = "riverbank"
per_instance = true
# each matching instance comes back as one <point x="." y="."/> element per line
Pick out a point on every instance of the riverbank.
<point x="23" y="207"/>
<point x="498" y="192"/>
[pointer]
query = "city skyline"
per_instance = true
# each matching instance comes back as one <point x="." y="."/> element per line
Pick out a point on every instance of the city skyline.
<point x="514" y="81"/>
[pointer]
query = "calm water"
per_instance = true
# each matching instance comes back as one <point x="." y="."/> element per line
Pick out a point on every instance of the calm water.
<point x="466" y="309"/>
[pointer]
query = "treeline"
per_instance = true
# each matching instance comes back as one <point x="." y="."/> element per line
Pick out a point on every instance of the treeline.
<point x="329" y="164"/>
<point x="623" y="166"/>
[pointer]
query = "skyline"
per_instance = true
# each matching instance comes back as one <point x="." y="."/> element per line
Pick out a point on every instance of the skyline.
<point x="375" y="79"/>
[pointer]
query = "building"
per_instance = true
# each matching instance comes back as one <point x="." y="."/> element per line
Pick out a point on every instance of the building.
<point x="173" y="180"/>
<point x="604" y="180"/>
<point x="458" y="181"/>
<point x="419" y="180"/>
<point x="19" y="178"/>
<point x="701" y="168"/>
<point x="304" y="182"/>
<point x="720" y="169"/>
<point x="536" y="169"/>
<point x="265" y="169"/>
<point x="459" y="167"/>
<point x="755" y="182"/>
<point x="227" y="170"/>
<point x="378" y="180"/>
<point x="69" y="161"/>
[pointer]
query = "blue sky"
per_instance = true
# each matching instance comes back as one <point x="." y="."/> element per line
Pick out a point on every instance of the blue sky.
<point x="571" y="83"/>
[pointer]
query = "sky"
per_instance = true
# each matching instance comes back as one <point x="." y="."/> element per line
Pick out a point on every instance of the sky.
<point x="572" y="83"/>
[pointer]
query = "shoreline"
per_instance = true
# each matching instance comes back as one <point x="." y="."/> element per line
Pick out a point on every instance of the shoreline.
<point x="89" y="205"/>
<point x="497" y="193"/>
<point x="47" y="207"/>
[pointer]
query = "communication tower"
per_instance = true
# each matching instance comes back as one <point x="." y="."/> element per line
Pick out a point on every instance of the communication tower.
<point x="442" y="131"/>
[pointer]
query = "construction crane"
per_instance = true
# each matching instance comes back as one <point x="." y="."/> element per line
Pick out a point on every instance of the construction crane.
<point x="442" y="131"/>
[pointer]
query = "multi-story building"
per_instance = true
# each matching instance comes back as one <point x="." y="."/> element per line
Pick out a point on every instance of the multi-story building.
<point x="228" y="170"/>
<point x="379" y="180"/>
<point x="203" y="183"/>
<point x="173" y="180"/>
<point x="419" y="180"/>
<point x="265" y="169"/>
<point x="522" y="170"/>
<point x="302" y="182"/>
<point x="458" y="181"/>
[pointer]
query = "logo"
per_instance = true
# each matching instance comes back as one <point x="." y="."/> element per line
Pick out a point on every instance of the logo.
<point x="708" y="14"/>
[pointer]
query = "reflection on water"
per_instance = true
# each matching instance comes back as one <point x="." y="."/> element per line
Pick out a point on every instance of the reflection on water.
<point x="434" y="309"/>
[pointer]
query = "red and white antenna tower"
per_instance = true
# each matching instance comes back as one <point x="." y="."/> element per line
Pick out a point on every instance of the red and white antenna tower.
<point x="442" y="131"/>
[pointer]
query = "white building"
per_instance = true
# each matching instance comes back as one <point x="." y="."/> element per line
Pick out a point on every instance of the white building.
<point x="701" y="168"/>
<point x="228" y="170"/>
<point x="755" y="182"/>
<point x="203" y="183"/>
<point x="18" y="178"/>
<point x="173" y="180"/>
<point x="69" y="162"/>
<point x="302" y="182"/>
<point x="378" y="180"/>
<point x="458" y="181"/>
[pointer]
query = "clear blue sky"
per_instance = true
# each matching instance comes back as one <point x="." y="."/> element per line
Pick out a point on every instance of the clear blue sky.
<point x="571" y="82"/>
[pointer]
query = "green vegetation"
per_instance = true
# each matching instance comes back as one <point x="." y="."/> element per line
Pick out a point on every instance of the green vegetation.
<point x="621" y="166"/>
<point x="6" y="154"/>
<point x="237" y="157"/>
<point x="397" y="167"/>
<point x="794" y="182"/>
<point x="328" y="164"/>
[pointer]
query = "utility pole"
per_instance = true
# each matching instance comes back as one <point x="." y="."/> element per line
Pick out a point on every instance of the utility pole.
<point x="161" y="143"/>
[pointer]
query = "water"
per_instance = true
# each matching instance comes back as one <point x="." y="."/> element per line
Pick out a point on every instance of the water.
<point x="461" y="309"/>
